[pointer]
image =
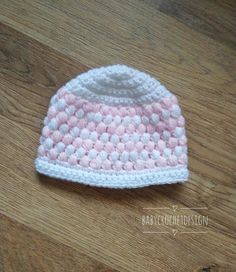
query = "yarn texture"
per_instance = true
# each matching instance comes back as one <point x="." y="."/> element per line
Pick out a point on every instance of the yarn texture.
<point x="114" y="127"/>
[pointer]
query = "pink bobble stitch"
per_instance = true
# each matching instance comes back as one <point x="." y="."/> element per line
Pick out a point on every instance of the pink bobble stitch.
<point x="161" y="126"/>
<point x="99" y="146"/>
<point x="61" y="92"/>
<point x="138" y="110"/>
<point x="150" y="129"/>
<point x="101" y="128"/>
<point x="141" y="129"/>
<point x="139" y="146"/>
<point x="120" y="147"/>
<point x="52" y="112"/>
<point x="114" y="111"/>
<point x="91" y="126"/>
<point x="130" y="146"/>
<point x="120" y="130"/>
<point x="62" y="117"/>
<point x="109" y="147"/>
<point x="105" y="110"/>
<point x="161" y="145"/>
<point x="41" y="151"/>
<point x="46" y="131"/>
<point x="67" y="139"/>
<point x="132" y="112"/>
<point x="53" y="154"/>
<point x="118" y="166"/>
<point x="139" y="165"/>
<point x="148" y="110"/>
<point x="150" y="163"/>
<point x="84" y="161"/>
<point x="106" y="165"/>
<point x="150" y="146"/>
<point x="166" y="102"/>
<point x="88" y="144"/>
<point x="82" y="123"/>
<point x="96" y="164"/>
<point x="157" y="107"/>
<point x="172" y="123"/>
<point x="174" y="99"/>
<point x="62" y="156"/>
<point x="72" y="121"/>
<point x="181" y="121"/>
<point x="162" y="162"/>
<point x="79" y="103"/>
<point x="112" y="128"/>
<point x="183" y="140"/>
<point x="130" y="128"/>
<point x="183" y="159"/>
<point x="77" y="142"/>
<point x="56" y="136"/>
<point x="123" y="111"/>
<point x="172" y="142"/>
<point x="70" y="99"/>
<point x="172" y="161"/>
<point x="128" y="166"/>
<point x="72" y="159"/>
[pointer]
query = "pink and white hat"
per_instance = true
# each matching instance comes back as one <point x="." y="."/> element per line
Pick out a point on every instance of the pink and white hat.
<point x="114" y="127"/>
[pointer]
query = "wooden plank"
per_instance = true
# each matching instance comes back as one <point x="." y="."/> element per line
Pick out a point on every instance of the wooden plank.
<point x="25" y="250"/>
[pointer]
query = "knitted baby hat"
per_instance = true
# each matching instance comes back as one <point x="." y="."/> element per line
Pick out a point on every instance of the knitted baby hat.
<point x="114" y="127"/>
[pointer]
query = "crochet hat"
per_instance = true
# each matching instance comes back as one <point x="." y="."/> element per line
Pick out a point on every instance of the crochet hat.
<point x="114" y="127"/>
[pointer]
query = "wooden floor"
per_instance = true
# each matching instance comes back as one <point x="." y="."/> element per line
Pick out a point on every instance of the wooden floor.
<point x="47" y="225"/>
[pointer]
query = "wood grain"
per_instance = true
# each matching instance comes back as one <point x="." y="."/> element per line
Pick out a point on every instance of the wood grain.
<point x="70" y="227"/>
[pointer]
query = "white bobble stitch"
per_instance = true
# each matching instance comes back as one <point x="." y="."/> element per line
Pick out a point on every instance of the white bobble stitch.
<point x="70" y="110"/>
<point x="70" y="149"/>
<point x="145" y="138"/>
<point x="75" y="132"/>
<point x="165" y="114"/>
<point x="103" y="155"/>
<point x="133" y="155"/>
<point x="53" y="100"/>
<point x="166" y="135"/>
<point x="108" y="119"/>
<point x="154" y="119"/>
<point x="117" y="120"/>
<point x="114" y="139"/>
<point x="184" y="149"/>
<point x="80" y="113"/>
<point x="84" y="134"/>
<point x="98" y="117"/>
<point x="48" y="143"/>
<point x="155" y="137"/>
<point x="104" y="138"/>
<point x="135" y="137"/>
<point x="178" y="151"/>
<point x="145" y="120"/>
<point x="45" y="121"/>
<point x="92" y="154"/>
<point x="53" y="124"/>
<point x="176" y="111"/>
<point x="61" y="104"/>
<point x="125" y="138"/>
<point x="137" y="120"/>
<point x="60" y="147"/>
<point x="124" y="156"/>
<point x="114" y="156"/>
<point x="64" y="128"/>
<point x="90" y="116"/>
<point x="127" y="121"/>
<point x="94" y="136"/>
<point x="144" y="155"/>
<point x="167" y="152"/>
<point x="179" y="132"/>
<point x="80" y="152"/>
<point x="155" y="155"/>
